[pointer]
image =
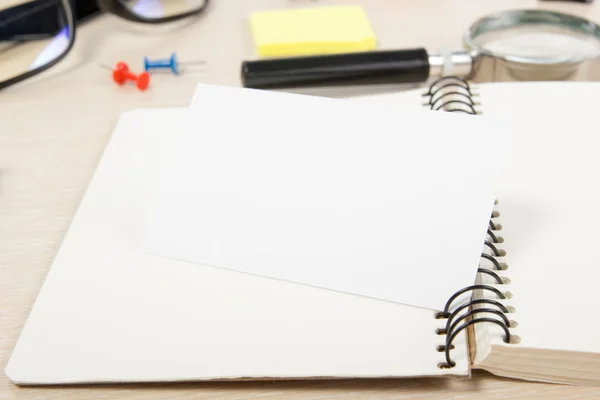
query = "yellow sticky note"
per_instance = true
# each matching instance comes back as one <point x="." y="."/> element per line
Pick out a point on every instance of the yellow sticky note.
<point x="306" y="31"/>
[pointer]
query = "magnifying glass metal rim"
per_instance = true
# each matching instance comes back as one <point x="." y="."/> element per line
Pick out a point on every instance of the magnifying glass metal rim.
<point x="513" y="18"/>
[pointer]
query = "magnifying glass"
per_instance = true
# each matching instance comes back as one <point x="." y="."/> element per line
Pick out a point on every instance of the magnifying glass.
<point x="526" y="45"/>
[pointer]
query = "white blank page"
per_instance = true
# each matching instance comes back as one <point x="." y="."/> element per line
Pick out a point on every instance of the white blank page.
<point x="548" y="200"/>
<point x="109" y="313"/>
<point x="329" y="193"/>
<point x="549" y="196"/>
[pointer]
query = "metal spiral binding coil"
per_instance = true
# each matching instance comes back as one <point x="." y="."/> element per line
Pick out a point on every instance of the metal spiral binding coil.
<point x="451" y="94"/>
<point x="454" y="94"/>
<point x="457" y="320"/>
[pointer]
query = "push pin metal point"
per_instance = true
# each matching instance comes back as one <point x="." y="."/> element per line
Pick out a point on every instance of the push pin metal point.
<point x="167" y="63"/>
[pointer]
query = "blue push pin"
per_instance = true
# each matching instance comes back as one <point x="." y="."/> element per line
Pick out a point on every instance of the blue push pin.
<point x="163" y="63"/>
<point x="166" y="63"/>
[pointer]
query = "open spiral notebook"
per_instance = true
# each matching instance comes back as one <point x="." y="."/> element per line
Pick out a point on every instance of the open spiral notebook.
<point x="115" y="317"/>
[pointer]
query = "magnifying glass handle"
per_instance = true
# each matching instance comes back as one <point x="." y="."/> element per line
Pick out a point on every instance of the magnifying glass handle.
<point x="395" y="66"/>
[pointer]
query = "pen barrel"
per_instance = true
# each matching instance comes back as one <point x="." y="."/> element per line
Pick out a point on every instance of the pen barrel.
<point x="396" y="66"/>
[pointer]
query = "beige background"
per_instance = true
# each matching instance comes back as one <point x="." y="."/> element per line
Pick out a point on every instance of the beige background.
<point x="53" y="130"/>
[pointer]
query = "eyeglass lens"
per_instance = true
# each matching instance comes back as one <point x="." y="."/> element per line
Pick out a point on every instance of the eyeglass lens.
<point x="162" y="8"/>
<point x="32" y="34"/>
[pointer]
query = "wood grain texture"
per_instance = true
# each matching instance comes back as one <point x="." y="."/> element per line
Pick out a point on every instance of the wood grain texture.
<point x="53" y="130"/>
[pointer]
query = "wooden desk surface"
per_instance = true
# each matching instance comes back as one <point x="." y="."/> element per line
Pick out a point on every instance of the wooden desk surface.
<point x="54" y="128"/>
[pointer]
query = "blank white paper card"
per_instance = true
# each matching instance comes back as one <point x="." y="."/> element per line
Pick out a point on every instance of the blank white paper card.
<point x="330" y="193"/>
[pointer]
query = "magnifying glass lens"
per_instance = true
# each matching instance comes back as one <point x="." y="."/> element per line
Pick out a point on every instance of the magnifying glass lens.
<point x="536" y="36"/>
<point x="544" y="43"/>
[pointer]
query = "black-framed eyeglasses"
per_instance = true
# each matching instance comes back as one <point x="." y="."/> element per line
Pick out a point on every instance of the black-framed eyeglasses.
<point x="37" y="34"/>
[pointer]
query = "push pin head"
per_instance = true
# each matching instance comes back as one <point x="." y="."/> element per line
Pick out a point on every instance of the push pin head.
<point x="120" y="73"/>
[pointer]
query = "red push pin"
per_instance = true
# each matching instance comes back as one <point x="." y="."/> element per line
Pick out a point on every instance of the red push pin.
<point x="121" y="74"/>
